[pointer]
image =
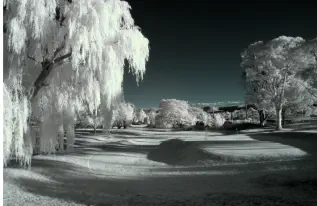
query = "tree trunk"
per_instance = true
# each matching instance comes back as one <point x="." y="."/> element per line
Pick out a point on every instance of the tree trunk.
<point x="246" y="111"/>
<point x="95" y="129"/>
<point x="61" y="134"/>
<point x="47" y="67"/>
<point x="283" y="116"/>
<point x="263" y="117"/>
<point x="279" y="118"/>
<point x="280" y="104"/>
<point x="95" y="122"/>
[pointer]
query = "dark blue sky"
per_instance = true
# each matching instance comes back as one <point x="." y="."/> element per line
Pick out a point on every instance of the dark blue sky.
<point x="196" y="45"/>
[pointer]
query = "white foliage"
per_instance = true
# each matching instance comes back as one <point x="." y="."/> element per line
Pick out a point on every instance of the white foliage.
<point x="48" y="134"/>
<point x="174" y="112"/>
<point x="216" y="121"/>
<point x="151" y="115"/>
<point x="271" y="67"/>
<point x="16" y="138"/>
<point x="140" y="115"/>
<point x="98" y="34"/>
<point x="60" y="131"/>
<point x="271" y="72"/>
<point x="199" y="114"/>
<point x="239" y="114"/>
<point x="124" y="112"/>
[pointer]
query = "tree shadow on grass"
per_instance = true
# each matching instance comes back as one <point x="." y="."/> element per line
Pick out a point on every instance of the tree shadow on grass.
<point x="179" y="152"/>
<point x="74" y="183"/>
<point x="125" y="133"/>
<point x="121" y="147"/>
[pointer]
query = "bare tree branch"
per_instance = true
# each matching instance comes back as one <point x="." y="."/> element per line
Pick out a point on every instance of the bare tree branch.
<point x="47" y="67"/>
<point x="33" y="59"/>
<point x="61" y="58"/>
<point x="60" y="48"/>
<point x="310" y="91"/>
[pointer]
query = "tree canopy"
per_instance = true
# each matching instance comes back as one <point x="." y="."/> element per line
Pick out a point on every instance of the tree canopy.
<point x="62" y="53"/>
<point x="272" y="72"/>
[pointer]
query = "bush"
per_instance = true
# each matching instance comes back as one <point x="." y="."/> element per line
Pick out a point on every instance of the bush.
<point x="199" y="114"/>
<point x="217" y="121"/>
<point x="139" y="116"/>
<point x="151" y="114"/>
<point x="124" y="112"/>
<point x="174" y="114"/>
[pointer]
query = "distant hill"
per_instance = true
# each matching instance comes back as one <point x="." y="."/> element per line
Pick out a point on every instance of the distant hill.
<point x="218" y="104"/>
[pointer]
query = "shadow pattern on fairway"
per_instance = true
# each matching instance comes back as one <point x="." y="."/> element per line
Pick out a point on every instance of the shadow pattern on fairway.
<point x="191" y="150"/>
<point x="178" y="152"/>
<point x="74" y="183"/>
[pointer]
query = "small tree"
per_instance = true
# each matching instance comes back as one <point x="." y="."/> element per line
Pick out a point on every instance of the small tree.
<point x="199" y="114"/>
<point x="140" y="116"/>
<point x="124" y="113"/>
<point x="216" y="121"/>
<point x="151" y="113"/>
<point x="174" y="113"/>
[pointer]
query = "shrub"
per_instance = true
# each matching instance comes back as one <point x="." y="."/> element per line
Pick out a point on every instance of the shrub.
<point x="124" y="112"/>
<point x="216" y="121"/>
<point x="174" y="114"/>
<point x="139" y="116"/>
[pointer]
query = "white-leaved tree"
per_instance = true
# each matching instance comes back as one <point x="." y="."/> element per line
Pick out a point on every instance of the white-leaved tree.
<point x="307" y="55"/>
<point x="123" y="112"/>
<point x="85" y="119"/>
<point x="174" y="113"/>
<point x="151" y="114"/>
<point x="199" y="114"/>
<point x="139" y="116"/>
<point x="273" y="67"/>
<point x="59" y="54"/>
<point x="217" y="121"/>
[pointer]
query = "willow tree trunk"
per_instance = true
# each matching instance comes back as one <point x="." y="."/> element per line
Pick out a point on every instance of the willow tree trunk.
<point x="95" y="122"/>
<point x="47" y="65"/>
<point x="61" y="134"/>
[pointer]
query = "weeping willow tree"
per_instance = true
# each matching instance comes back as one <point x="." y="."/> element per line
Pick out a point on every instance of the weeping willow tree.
<point x="59" y="54"/>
